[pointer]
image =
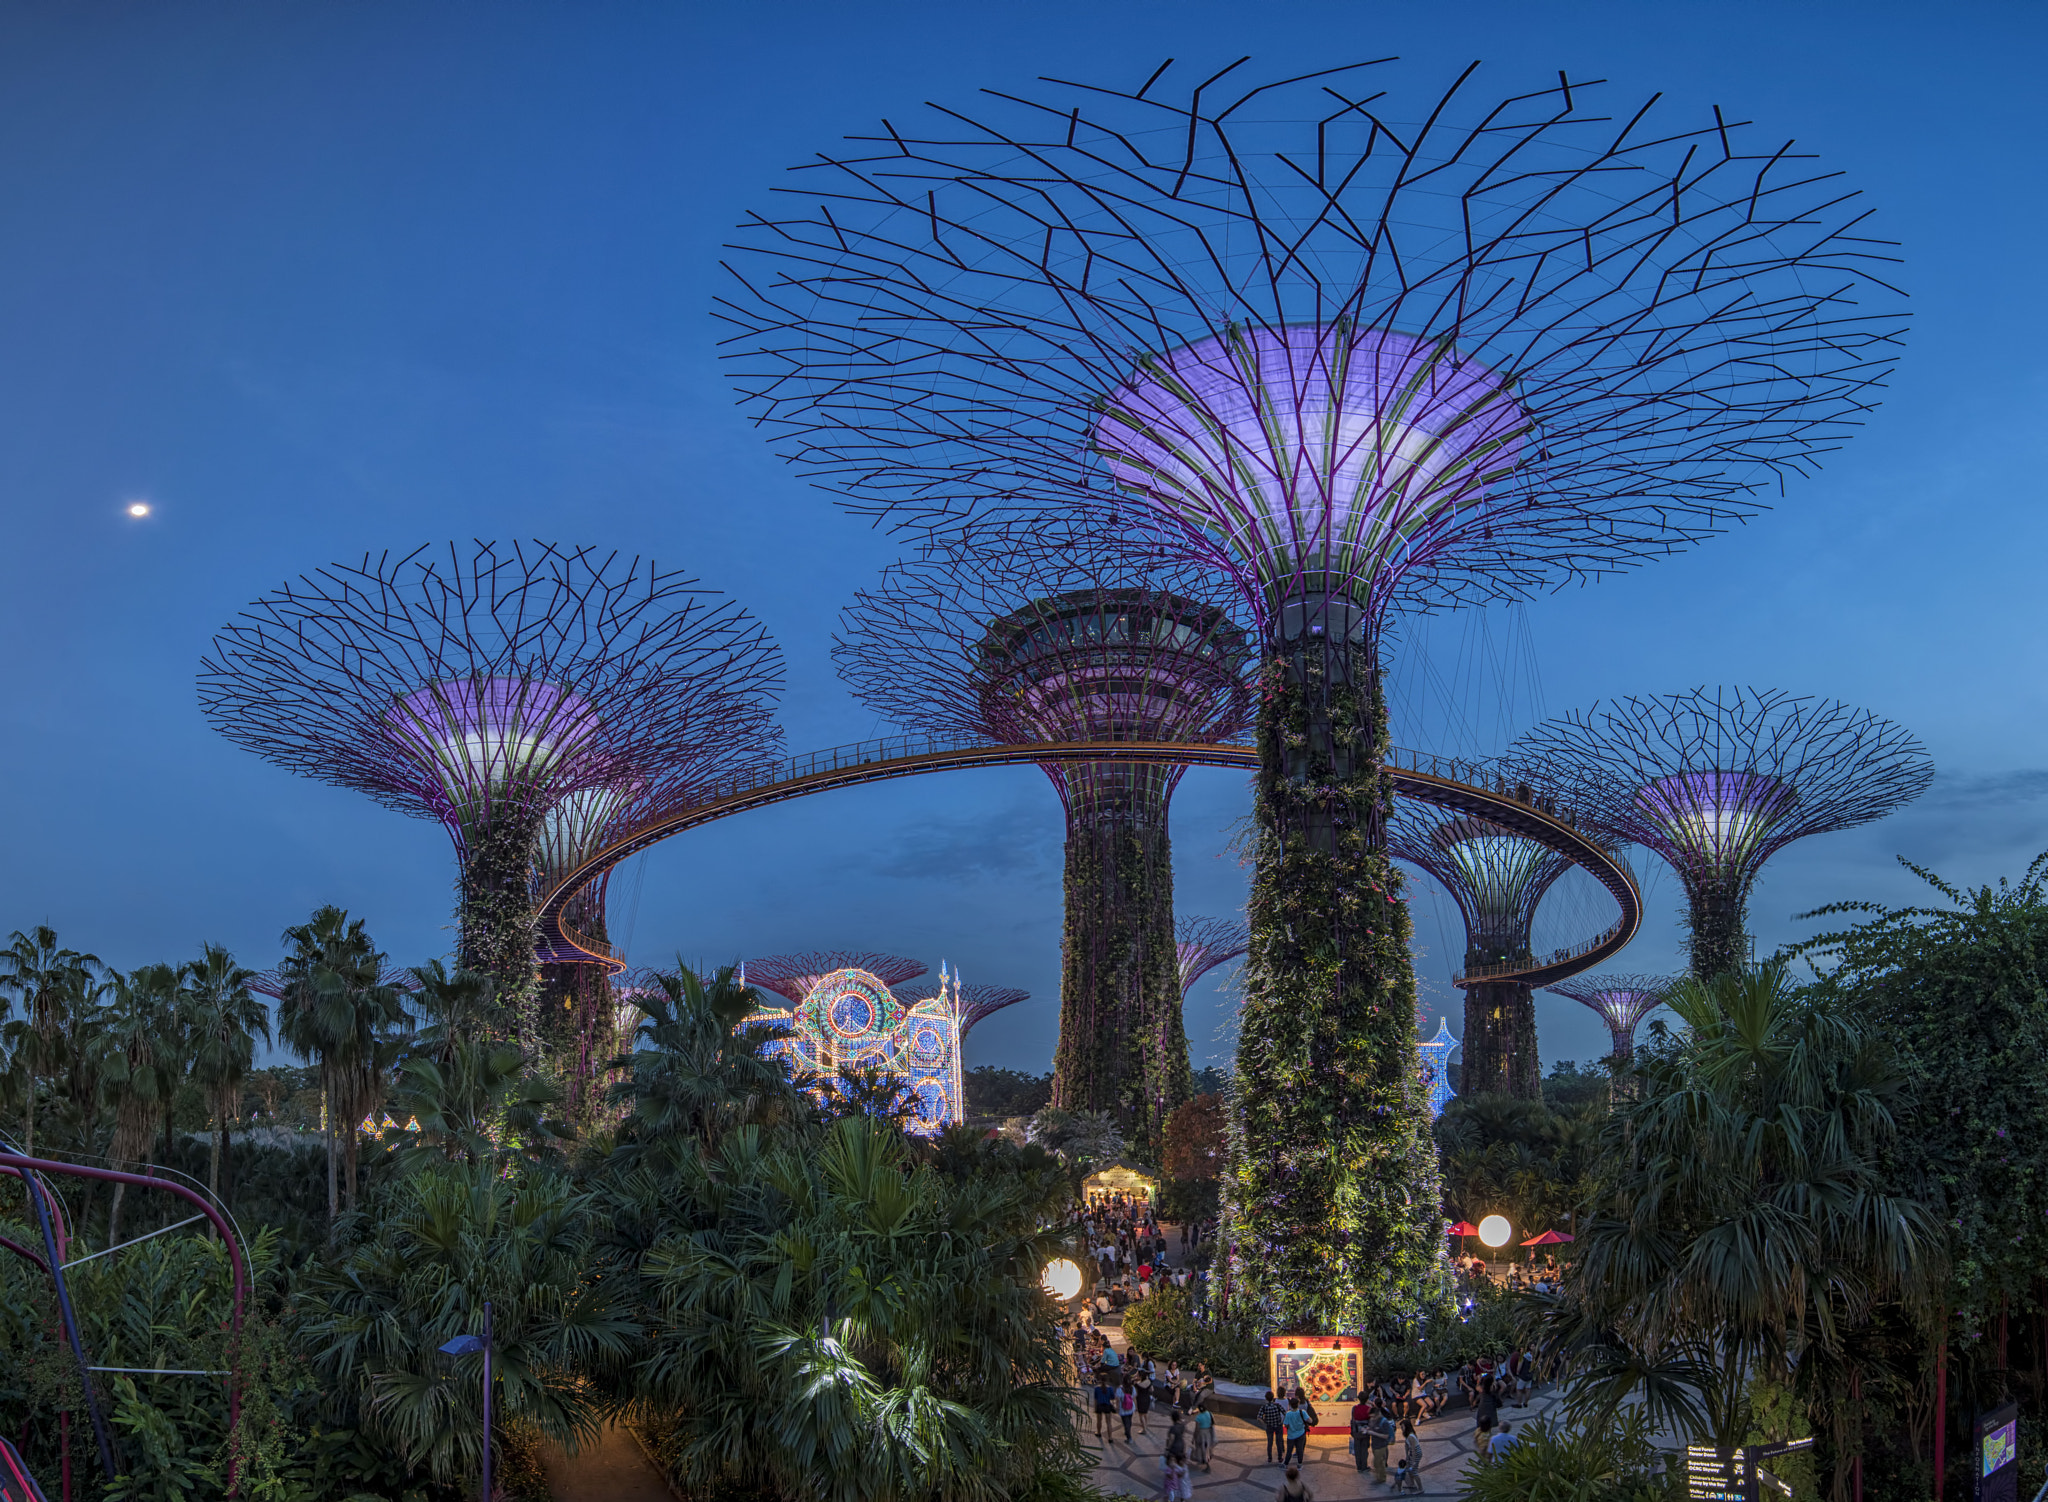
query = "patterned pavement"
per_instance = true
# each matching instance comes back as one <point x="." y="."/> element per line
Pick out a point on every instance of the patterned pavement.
<point x="1240" y="1472"/>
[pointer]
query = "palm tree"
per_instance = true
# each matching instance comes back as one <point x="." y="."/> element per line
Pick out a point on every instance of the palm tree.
<point x="226" y="1020"/>
<point x="336" y="1009"/>
<point x="137" y="1040"/>
<point x="50" y="983"/>
<point x="1741" y="1228"/>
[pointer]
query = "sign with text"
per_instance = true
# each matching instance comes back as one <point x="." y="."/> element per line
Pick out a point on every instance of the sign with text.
<point x="1329" y="1369"/>
<point x="1998" y="1454"/>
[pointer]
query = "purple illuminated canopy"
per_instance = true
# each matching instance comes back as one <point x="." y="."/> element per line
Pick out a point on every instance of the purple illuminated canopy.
<point x="1718" y="780"/>
<point x="1719" y="816"/>
<point x="1201" y="944"/>
<point x="483" y="736"/>
<point x="795" y="976"/>
<point x="1323" y="449"/>
<point x="1621" y="1001"/>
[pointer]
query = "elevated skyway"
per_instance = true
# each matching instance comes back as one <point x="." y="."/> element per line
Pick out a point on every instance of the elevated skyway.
<point x="1447" y="782"/>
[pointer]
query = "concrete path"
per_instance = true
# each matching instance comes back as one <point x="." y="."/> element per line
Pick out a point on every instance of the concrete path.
<point x="612" y="1468"/>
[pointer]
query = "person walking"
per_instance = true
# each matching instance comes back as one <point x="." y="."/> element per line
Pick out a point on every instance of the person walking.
<point x="1296" y="1422"/>
<point x="1270" y="1415"/>
<point x="1126" y="1406"/>
<point x="1497" y="1448"/>
<point x="1294" y="1489"/>
<point x="1141" y="1380"/>
<point x="1489" y="1411"/>
<point x="1173" y="1479"/>
<point x="1411" y="1454"/>
<point x="1205" y="1435"/>
<point x="1382" y="1438"/>
<point x="1361" y="1432"/>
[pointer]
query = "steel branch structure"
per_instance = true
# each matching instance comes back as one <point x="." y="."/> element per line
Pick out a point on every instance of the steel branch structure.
<point x="1497" y="878"/>
<point x="1035" y="636"/>
<point x="1358" y="342"/>
<point x="795" y="976"/>
<point x="1201" y="944"/>
<point x="977" y="1003"/>
<point x="1621" y="1001"/>
<point x="490" y="686"/>
<point x="1717" y="781"/>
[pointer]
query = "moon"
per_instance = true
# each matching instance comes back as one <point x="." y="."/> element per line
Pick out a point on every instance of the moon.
<point x="138" y="508"/>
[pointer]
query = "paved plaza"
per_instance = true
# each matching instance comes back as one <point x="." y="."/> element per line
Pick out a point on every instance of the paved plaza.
<point x="1240" y="1472"/>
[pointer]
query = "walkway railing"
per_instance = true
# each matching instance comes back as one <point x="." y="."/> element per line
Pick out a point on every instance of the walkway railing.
<point x="1475" y="787"/>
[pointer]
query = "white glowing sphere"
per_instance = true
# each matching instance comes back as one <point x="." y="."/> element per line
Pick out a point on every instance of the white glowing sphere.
<point x="1495" y="1230"/>
<point x="139" y="508"/>
<point x="1062" y="1279"/>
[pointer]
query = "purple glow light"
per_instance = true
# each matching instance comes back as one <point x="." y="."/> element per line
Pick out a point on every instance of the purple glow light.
<point x="1314" y="447"/>
<point x="1723" y="817"/>
<point x="481" y="736"/>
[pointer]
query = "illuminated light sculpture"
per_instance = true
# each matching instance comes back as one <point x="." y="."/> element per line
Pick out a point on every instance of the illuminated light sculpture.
<point x="1436" y="1067"/>
<point x="1622" y="1002"/>
<point x="1497" y="878"/>
<point x="846" y="1020"/>
<point x="1036" y="636"/>
<point x="1361" y="348"/>
<point x="1717" y="781"/>
<point x="486" y="687"/>
<point x="1201" y="944"/>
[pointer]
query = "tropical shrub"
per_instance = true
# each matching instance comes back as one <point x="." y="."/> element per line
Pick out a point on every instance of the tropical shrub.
<point x="1611" y="1459"/>
<point x="1173" y="1326"/>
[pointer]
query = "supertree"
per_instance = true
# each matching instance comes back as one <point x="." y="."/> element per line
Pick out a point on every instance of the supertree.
<point x="1040" y="636"/>
<point x="977" y="1003"/>
<point x="485" y="686"/>
<point x="1201" y="944"/>
<point x="1717" y="781"/>
<point x="1359" y="349"/>
<point x="795" y="976"/>
<point x="1621" y="1001"/>
<point x="1496" y="878"/>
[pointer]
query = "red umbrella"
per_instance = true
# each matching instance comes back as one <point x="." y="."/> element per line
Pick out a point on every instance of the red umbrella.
<point x="1463" y="1228"/>
<point x="1548" y="1238"/>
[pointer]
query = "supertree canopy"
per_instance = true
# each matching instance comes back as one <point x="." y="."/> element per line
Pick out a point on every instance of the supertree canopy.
<point x="1621" y="1001"/>
<point x="1023" y="641"/>
<point x="977" y="1003"/>
<point x="1357" y="342"/>
<point x="1201" y="944"/>
<point x="1717" y="781"/>
<point x="795" y="976"/>
<point x="487" y="687"/>
<point x="1496" y="878"/>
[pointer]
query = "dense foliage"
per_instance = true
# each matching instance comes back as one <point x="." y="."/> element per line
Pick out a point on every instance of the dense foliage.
<point x="1333" y="1187"/>
<point x="996" y="1092"/>
<point x="1741" y="1234"/>
<point x="730" y="1252"/>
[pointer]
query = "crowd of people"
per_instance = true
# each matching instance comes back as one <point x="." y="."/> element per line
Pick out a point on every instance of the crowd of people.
<point x="1130" y="1393"/>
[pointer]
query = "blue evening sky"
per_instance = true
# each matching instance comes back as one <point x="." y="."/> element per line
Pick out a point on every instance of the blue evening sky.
<point x="315" y="278"/>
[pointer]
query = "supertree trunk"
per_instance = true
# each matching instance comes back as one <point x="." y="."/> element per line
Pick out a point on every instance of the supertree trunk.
<point x="1123" y="1047"/>
<point x="498" y="933"/>
<point x="578" y="1029"/>
<point x="1499" y="1046"/>
<point x="1334" y="1185"/>
<point x="1714" y="917"/>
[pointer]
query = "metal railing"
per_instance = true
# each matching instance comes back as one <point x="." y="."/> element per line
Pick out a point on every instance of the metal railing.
<point x="933" y="752"/>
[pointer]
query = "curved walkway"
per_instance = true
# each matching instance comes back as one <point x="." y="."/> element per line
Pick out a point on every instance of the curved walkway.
<point x="1466" y="787"/>
<point x="612" y="1468"/>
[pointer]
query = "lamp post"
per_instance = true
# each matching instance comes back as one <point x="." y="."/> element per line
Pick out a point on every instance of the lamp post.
<point x="1494" y="1231"/>
<point x="469" y="1345"/>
